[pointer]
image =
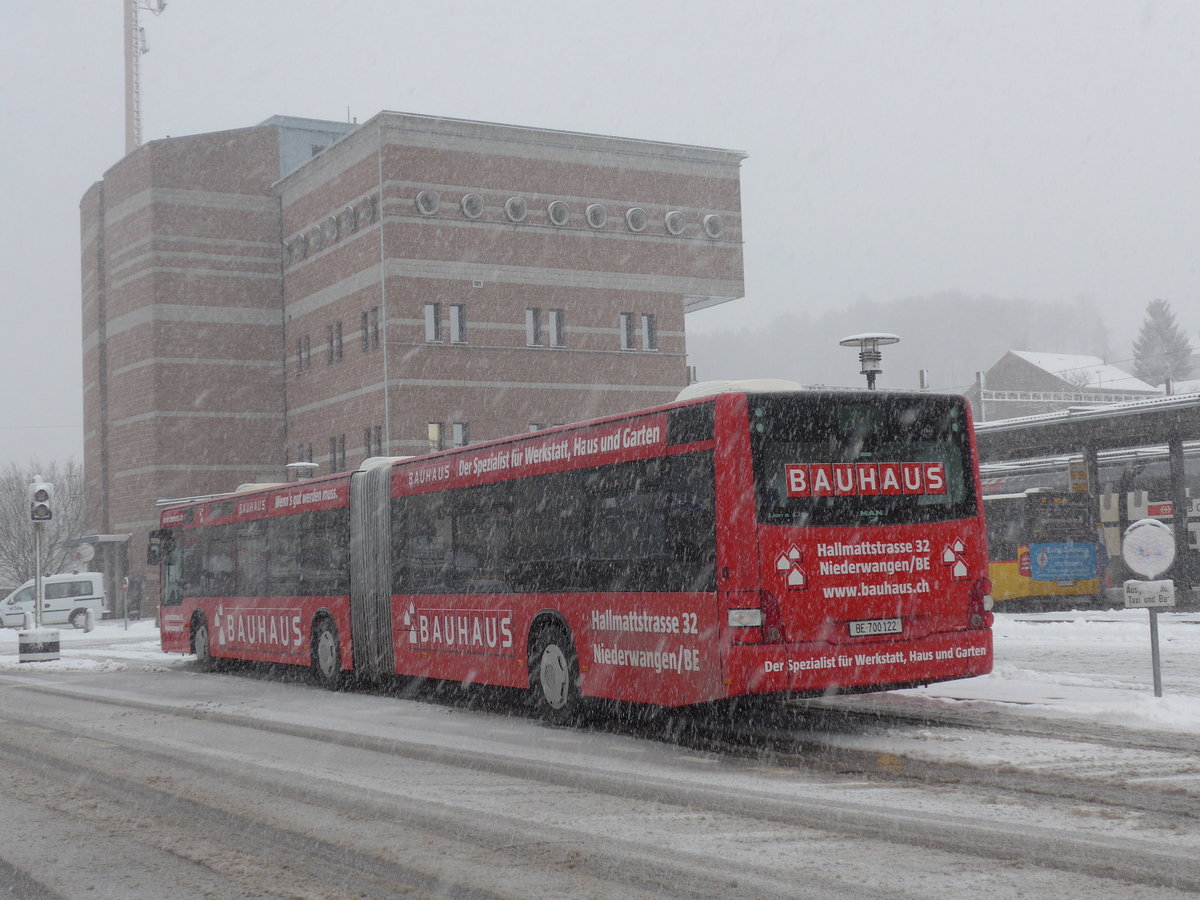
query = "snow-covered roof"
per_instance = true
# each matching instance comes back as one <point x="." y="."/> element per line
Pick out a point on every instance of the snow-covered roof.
<point x="1099" y="374"/>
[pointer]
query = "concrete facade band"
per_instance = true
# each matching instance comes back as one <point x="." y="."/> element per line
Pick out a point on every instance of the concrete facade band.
<point x="325" y="292"/>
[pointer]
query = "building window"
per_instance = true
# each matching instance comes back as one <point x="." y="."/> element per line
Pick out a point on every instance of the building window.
<point x="460" y="434"/>
<point x="533" y="327"/>
<point x="329" y="344"/>
<point x="433" y="323"/>
<point x="334" y="333"/>
<point x="303" y="354"/>
<point x="458" y="323"/>
<point x="370" y="329"/>
<point x="435" y="436"/>
<point x="649" y="331"/>
<point x="558" y="327"/>
<point x="337" y="453"/>
<point x="627" y="328"/>
<point x="373" y="441"/>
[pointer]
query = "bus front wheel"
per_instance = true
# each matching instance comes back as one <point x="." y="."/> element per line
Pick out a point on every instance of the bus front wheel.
<point x="554" y="676"/>
<point x="326" y="657"/>
<point x="201" y="647"/>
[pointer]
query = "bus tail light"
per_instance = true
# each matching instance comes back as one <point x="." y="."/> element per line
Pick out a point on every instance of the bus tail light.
<point x="1023" y="568"/>
<point x="762" y="624"/>
<point x="745" y="618"/>
<point x="979" y="604"/>
<point x="746" y="625"/>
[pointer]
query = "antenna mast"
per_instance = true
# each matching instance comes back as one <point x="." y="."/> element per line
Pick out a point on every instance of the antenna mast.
<point x="135" y="46"/>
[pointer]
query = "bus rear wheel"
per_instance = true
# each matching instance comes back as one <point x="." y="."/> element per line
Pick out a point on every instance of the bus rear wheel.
<point x="326" y="657"/>
<point x="554" y="676"/>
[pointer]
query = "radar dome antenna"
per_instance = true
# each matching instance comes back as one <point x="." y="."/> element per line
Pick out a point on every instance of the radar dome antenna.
<point x="869" y="355"/>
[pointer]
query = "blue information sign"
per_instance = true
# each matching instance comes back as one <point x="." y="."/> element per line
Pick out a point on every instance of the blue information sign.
<point x="1062" y="562"/>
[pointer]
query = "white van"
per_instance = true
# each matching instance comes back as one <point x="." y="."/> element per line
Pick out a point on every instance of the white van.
<point x="68" y="598"/>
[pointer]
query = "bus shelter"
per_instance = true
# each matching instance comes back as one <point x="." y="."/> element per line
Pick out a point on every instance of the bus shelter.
<point x="1088" y="431"/>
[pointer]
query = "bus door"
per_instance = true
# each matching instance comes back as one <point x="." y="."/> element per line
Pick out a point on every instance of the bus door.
<point x="371" y="572"/>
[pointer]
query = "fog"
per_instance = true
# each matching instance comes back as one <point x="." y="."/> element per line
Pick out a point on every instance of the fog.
<point x="1035" y="153"/>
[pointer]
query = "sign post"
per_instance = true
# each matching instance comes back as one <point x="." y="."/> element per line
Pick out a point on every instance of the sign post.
<point x="37" y="644"/>
<point x="1148" y="548"/>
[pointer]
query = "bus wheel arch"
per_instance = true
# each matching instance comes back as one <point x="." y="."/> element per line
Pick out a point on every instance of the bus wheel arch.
<point x="325" y="652"/>
<point x="554" y="679"/>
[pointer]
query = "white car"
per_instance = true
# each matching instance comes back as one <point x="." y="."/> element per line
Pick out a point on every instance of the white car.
<point x="68" y="597"/>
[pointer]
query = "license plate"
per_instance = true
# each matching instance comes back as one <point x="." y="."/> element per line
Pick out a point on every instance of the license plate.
<point x="875" y="626"/>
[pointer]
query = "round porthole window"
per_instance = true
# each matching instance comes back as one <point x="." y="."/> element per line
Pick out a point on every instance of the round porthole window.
<point x="331" y="229"/>
<point x="287" y="253"/>
<point x="675" y="222"/>
<point x="300" y="243"/>
<point x="369" y="208"/>
<point x="428" y="202"/>
<point x="636" y="219"/>
<point x="472" y="206"/>
<point x="558" y="212"/>
<point x="597" y="215"/>
<point x="516" y="209"/>
<point x="316" y="240"/>
<point x="713" y="226"/>
<point x="350" y="216"/>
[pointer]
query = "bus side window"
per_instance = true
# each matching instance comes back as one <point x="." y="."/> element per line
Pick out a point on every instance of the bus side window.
<point x="422" y="542"/>
<point x="250" y="562"/>
<point x="283" y="563"/>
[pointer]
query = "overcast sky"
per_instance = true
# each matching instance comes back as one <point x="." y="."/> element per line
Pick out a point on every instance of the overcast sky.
<point x="1039" y="150"/>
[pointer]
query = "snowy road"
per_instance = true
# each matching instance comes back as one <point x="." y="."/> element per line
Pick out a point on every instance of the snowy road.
<point x="133" y="775"/>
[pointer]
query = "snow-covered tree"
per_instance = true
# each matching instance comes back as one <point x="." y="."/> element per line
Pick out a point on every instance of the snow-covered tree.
<point x="61" y="533"/>
<point x="1162" y="349"/>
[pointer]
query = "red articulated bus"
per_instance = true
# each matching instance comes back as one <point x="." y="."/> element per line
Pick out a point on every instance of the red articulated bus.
<point x="786" y="542"/>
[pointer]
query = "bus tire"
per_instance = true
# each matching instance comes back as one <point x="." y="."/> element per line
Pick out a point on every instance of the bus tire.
<point x="326" y="656"/>
<point x="554" y="675"/>
<point x="202" y="646"/>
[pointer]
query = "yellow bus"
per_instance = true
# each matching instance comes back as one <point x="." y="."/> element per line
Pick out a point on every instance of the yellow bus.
<point x="1043" y="550"/>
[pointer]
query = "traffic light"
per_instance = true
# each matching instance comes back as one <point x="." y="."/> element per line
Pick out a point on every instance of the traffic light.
<point x="41" y="500"/>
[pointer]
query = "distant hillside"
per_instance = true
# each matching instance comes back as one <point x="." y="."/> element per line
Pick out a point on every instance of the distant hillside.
<point x="952" y="335"/>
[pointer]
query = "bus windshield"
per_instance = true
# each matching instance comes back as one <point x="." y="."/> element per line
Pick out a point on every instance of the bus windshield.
<point x="825" y="459"/>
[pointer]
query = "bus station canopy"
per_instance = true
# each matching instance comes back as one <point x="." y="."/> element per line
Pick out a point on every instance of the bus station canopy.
<point x="1118" y="426"/>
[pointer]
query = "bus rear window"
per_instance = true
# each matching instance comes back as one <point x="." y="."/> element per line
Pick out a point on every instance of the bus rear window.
<point x="827" y="459"/>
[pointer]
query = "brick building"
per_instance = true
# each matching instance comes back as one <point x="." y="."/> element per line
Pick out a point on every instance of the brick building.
<point x="321" y="291"/>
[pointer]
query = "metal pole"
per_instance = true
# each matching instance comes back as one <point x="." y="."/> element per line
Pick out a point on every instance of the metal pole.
<point x="1154" y="658"/>
<point x="1184" y="573"/>
<point x="38" y="587"/>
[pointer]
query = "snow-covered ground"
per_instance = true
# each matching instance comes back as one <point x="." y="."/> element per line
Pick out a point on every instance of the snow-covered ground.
<point x="1088" y="666"/>
<point x="1092" y="666"/>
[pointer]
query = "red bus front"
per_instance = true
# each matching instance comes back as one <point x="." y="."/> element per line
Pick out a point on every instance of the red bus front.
<point x="857" y="558"/>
